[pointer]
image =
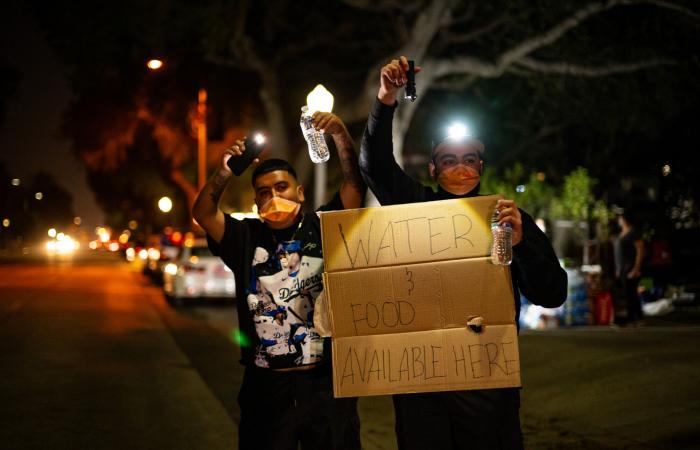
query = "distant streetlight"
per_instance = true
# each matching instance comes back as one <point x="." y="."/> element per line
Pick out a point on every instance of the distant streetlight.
<point x="319" y="99"/>
<point x="38" y="195"/>
<point x="77" y="221"/>
<point x="165" y="204"/>
<point x="15" y="182"/>
<point x="6" y="222"/>
<point x="154" y="64"/>
<point x="52" y="232"/>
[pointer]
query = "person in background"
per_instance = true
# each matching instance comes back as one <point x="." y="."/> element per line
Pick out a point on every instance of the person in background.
<point x="629" y="254"/>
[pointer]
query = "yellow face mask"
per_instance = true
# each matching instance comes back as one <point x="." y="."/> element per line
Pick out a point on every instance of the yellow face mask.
<point x="459" y="179"/>
<point x="279" y="210"/>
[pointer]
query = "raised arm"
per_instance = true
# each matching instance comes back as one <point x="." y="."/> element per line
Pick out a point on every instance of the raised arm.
<point x="206" y="206"/>
<point x="353" y="188"/>
<point x="385" y="178"/>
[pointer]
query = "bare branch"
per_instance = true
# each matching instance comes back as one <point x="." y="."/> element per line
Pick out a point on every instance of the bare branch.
<point x="386" y="5"/>
<point x="667" y="5"/>
<point x="421" y="34"/>
<point x="565" y="68"/>
<point x="553" y="34"/>
<point x="461" y="38"/>
<point x="467" y="16"/>
<point x="459" y="84"/>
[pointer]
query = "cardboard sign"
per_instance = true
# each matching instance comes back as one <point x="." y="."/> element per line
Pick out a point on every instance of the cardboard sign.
<point x="401" y="283"/>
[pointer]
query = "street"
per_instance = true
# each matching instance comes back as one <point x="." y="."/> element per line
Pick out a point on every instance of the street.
<point x="94" y="358"/>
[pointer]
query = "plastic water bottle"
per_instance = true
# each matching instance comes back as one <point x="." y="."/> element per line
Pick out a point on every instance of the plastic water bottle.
<point x="318" y="149"/>
<point x="502" y="250"/>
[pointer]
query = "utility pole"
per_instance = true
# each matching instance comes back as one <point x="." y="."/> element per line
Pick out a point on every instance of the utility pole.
<point x="201" y="138"/>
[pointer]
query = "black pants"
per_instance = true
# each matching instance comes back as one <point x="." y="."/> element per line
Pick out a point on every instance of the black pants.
<point x="633" y="303"/>
<point x="279" y="410"/>
<point x="474" y="420"/>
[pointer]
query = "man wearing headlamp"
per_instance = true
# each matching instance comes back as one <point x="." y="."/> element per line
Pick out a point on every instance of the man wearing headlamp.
<point x="476" y="419"/>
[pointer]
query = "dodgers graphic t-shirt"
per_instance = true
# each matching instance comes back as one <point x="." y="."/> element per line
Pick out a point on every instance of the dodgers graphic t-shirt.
<point x="278" y="275"/>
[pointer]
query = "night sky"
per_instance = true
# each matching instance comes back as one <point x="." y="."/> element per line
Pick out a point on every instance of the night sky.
<point x="30" y="136"/>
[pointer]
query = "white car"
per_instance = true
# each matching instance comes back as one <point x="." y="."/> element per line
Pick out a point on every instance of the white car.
<point x="196" y="273"/>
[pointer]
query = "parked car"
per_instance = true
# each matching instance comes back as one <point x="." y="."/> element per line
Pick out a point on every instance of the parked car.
<point x="156" y="260"/>
<point x="196" y="273"/>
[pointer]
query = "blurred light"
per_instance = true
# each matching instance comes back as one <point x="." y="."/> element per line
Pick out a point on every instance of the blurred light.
<point x="457" y="131"/>
<point x="38" y="195"/>
<point x="52" y="232"/>
<point x="520" y="188"/>
<point x="541" y="224"/>
<point x="123" y="238"/>
<point x="130" y="254"/>
<point x="6" y="222"/>
<point x="165" y="204"/>
<point x="153" y="254"/>
<point x="171" y="269"/>
<point x="15" y="182"/>
<point x="541" y="176"/>
<point x="93" y="245"/>
<point x="113" y="246"/>
<point x="168" y="231"/>
<point x="60" y="236"/>
<point x="77" y="221"/>
<point x="242" y="215"/>
<point x="25" y="250"/>
<point x="64" y="246"/>
<point x="143" y="253"/>
<point x="176" y="238"/>
<point x="238" y="337"/>
<point x="319" y="99"/>
<point x="154" y="64"/>
<point x="103" y="234"/>
<point x="254" y="209"/>
<point x="133" y="224"/>
<point x="666" y="170"/>
<point x="194" y="259"/>
<point x="259" y="138"/>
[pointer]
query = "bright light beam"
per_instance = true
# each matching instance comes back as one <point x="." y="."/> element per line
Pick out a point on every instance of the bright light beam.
<point x="457" y="131"/>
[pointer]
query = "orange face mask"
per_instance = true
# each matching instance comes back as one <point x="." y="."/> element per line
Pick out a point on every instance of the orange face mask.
<point x="459" y="179"/>
<point x="279" y="210"/>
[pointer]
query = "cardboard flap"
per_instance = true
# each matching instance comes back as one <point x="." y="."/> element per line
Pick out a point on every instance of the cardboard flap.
<point x="427" y="361"/>
<point x="419" y="297"/>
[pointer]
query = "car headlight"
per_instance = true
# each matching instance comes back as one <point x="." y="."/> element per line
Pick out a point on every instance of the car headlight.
<point x="171" y="269"/>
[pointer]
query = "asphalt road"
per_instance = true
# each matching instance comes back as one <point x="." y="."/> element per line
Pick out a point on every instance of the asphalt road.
<point x="91" y="356"/>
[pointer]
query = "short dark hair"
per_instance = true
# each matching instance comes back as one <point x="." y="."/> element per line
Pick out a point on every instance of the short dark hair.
<point x="270" y="165"/>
